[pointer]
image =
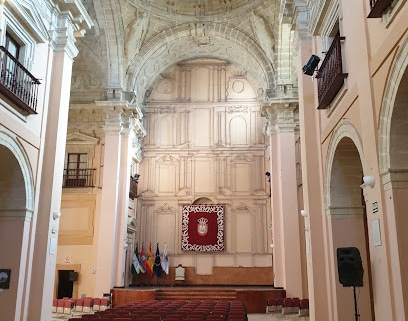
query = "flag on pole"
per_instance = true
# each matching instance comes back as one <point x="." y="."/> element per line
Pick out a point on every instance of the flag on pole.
<point x="135" y="263"/>
<point x="165" y="260"/>
<point x="143" y="261"/>
<point x="157" y="262"/>
<point x="150" y="261"/>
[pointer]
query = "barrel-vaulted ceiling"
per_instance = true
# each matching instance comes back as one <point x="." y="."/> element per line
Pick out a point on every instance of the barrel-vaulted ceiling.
<point x="134" y="42"/>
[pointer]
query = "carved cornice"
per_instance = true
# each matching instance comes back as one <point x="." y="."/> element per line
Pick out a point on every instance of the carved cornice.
<point x="394" y="179"/>
<point x="68" y="20"/>
<point x="281" y="117"/>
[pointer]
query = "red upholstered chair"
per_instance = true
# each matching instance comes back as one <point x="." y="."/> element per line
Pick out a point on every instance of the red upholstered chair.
<point x="295" y="305"/>
<point x="79" y="305"/>
<point x="97" y="304"/>
<point x="271" y="305"/>
<point x="87" y="305"/>
<point x="60" y="306"/>
<point x="287" y="306"/>
<point x="104" y="304"/>
<point x="54" y="305"/>
<point x="304" y="307"/>
<point x="68" y="306"/>
<point x="110" y="316"/>
<point x="279" y="304"/>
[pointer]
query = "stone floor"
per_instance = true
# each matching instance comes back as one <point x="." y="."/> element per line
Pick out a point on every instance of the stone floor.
<point x="251" y="317"/>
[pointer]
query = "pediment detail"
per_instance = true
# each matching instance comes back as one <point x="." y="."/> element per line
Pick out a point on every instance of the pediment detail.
<point x="81" y="139"/>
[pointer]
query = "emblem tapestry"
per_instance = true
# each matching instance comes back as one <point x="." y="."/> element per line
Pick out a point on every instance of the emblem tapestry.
<point x="203" y="228"/>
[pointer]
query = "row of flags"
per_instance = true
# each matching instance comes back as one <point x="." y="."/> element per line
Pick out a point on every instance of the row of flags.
<point x="143" y="263"/>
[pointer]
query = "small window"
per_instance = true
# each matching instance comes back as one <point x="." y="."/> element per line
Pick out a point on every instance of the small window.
<point x="76" y="170"/>
<point x="12" y="46"/>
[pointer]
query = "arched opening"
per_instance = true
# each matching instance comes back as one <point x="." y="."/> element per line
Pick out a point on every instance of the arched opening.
<point x="348" y="227"/>
<point x="13" y="227"/>
<point x="397" y="191"/>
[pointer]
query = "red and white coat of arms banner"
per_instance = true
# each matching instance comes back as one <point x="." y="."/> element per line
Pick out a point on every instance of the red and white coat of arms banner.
<point x="203" y="228"/>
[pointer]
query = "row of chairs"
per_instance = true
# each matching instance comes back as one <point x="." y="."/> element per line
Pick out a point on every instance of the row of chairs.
<point x="83" y="305"/>
<point x="288" y="306"/>
<point x="172" y="310"/>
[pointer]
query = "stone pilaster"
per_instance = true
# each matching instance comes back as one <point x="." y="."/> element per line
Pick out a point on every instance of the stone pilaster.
<point x="63" y="25"/>
<point x="282" y="125"/>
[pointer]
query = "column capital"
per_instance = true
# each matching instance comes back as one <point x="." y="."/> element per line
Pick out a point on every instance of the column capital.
<point x="68" y="20"/>
<point x="281" y="116"/>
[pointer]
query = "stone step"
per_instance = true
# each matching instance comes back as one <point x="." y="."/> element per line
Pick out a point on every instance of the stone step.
<point x="196" y="294"/>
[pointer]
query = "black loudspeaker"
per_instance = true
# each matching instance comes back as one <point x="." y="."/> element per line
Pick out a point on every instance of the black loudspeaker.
<point x="311" y="65"/>
<point x="349" y="266"/>
<point x="73" y="276"/>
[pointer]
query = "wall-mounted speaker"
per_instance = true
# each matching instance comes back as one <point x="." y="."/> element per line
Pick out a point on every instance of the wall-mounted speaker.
<point x="311" y="65"/>
<point x="349" y="266"/>
<point x="73" y="276"/>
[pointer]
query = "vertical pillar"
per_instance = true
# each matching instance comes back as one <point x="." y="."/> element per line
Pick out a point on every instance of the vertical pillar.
<point x="123" y="201"/>
<point x="107" y="237"/>
<point x="283" y="123"/>
<point x="312" y="195"/>
<point x="44" y="236"/>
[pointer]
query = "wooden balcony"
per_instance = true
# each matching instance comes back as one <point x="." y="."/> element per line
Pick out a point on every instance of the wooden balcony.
<point x="378" y="7"/>
<point x="330" y="77"/>
<point x="17" y="84"/>
<point x="133" y="187"/>
<point x="79" y="177"/>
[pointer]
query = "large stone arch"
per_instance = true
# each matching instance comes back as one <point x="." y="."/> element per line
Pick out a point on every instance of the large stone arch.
<point x="345" y="130"/>
<point x="176" y="44"/>
<point x="13" y="146"/>
<point x="397" y="71"/>
<point x="393" y="165"/>
<point x="346" y="214"/>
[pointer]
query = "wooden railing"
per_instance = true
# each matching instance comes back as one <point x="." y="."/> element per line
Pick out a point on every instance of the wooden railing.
<point x="133" y="187"/>
<point x="17" y="84"/>
<point x="378" y="7"/>
<point x="79" y="177"/>
<point x="330" y="77"/>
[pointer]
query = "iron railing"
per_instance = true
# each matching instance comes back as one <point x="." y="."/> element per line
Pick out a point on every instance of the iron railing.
<point x="378" y="7"/>
<point x="16" y="82"/>
<point x="330" y="77"/>
<point x="79" y="177"/>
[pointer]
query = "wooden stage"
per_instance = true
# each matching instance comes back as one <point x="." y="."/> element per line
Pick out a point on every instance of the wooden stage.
<point x="254" y="297"/>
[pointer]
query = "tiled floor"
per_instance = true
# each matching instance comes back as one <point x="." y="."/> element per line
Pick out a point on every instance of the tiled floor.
<point x="251" y="317"/>
<point x="275" y="317"/>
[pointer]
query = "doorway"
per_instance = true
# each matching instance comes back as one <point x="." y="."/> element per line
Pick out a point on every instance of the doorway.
<point x="65" y="284"/>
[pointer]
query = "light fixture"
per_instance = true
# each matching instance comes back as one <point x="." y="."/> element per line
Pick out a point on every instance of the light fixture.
<point x="268" y="175"/>
<point x="304" y="213"/>
<point x="369" y="180"/>
<point x="56" y="215"/>
<point x="311" y="65"/>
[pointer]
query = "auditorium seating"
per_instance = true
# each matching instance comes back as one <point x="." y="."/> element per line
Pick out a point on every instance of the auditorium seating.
<point x="170" y="310"/>
<point x="288" y="306"/>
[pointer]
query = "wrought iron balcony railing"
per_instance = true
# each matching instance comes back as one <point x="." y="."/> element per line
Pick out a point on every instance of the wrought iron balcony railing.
<point x="378" y="7"/>
<point x="330" y="77"/>
<point x="79" y="177"/>
<point x="17" y="84"/>
<point x="133" y="187"/>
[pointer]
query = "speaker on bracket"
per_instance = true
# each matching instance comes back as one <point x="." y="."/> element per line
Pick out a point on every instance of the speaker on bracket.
<point x="349" y="266"/>
<point x="73" y="276"/>
<point x="311" y="65"/>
